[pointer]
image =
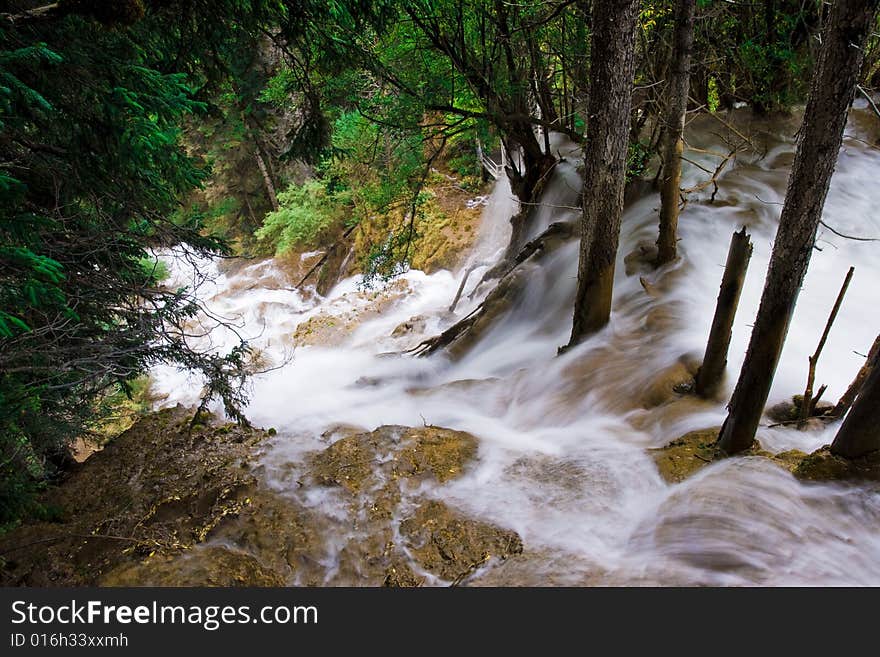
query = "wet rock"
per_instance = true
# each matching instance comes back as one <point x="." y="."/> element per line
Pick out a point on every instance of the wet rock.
<point x="641" y="259"/>
<point x="380" y="474"/>
<point x="165" y="505"/>
<point x="669" y="383"/>
<point x="359" y="461"/>
<point x="339" y="320"/>
<point x="161" y="486"/>
<point x="454" y="546"/>
<point x="400" y="575"/>
<point x="686" y="455"/>
<point x="284" y="536"/>
<point x="211" y="566"/>
<point x="416" y="324"/>
<point x="463" y="386"/>
<point x="790" y="410"/>
<point x="551" y="568"/>
<point x="822" y="465"/>
<point x="692" y="452"/>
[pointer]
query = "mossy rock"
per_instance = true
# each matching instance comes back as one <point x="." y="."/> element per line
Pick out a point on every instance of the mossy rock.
<point x="790" y="410"/>
<point x="692" y="452"/>
<point x="360" y="461"/>
<point x="170" y="505"/>
<point x="822" y="465"/>
<point x="686" y="455"/>
<point x="400" y="575"/>
<point x="454" y="546"/>
<point x="212" y="566"/>
<point x="162" y="486"/>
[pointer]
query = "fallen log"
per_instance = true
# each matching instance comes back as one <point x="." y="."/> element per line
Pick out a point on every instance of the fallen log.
<point x="464" y="333"/>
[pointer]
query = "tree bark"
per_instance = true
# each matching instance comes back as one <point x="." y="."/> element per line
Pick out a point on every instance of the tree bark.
<point x="267" y="180"/>
<point x="860" y="432"/>
<point x="611" y="75"/>
<point x="676" y="107"/>
<point x="846" y="401"/>
<point x="831" y="93"/>
<point x="808" y="403"/>
<point x="715" y="360"/>
<point x="527" y="186"/>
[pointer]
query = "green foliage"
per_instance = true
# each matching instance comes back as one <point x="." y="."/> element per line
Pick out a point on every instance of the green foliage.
<point x="306" y="212"/>
<point x="762" y="57"/>
<point x="92" y="170"/>
<point x="713" y="101"/>
<point x="387" y="260"/>
<point x="637" y="159"/>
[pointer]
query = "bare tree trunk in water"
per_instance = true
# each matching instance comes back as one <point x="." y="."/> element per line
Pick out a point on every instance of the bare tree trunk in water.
<point x="267" y="180"/>
<point x="846" y="401"/>
<point x="820" y="136"/>
<point x="676" y="106"/>
<point x="860" y="432"/>
<point x="715" y="359"/>
<point x="611" y="76"/>
<point x="527" y="185"/>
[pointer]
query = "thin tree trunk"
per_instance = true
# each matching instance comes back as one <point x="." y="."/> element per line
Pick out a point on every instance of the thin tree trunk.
<point x="860" y="432"/>
<point x="676" y="108"/>
<point x="267" y="180"/>
<point x="831" y="93"/>
<point x="715" y="360"/>
<point x="611" y="75"/>
<point x="808" y="403"/>
<point x="846" y="401"/>
<point x="527" y="185"/>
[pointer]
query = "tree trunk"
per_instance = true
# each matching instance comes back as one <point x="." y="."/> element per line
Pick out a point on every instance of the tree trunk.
<point x="611" y="75"/>
<point x="821" y="133"/>
<point x="846" y="401"/>
<point x="527" y="184"/>
<point x="715" y="360"/>
<point x="267" y="180"/>
<point x="676" y="106"/>
<point x="860" y="432"/>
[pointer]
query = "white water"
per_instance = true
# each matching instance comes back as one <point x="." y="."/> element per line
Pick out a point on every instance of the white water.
<point x="563" y="440"/>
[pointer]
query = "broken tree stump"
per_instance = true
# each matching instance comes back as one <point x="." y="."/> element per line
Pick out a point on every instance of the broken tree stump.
<point x="860" y="432"/>
<point x="846" y="401"/>
<point x="715" y="359"/>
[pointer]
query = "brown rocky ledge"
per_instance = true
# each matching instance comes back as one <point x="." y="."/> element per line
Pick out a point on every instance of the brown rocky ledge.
<point x="172" y="505"/>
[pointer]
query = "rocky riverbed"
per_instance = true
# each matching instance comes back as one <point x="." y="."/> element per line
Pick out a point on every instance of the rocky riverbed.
<point x="176" y="503"/>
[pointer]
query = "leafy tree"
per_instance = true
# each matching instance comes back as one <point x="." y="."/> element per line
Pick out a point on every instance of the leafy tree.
<point x="92" y="96"/>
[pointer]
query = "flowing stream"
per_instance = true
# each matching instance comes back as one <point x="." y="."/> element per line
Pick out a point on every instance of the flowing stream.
<point x="563" y="439"/>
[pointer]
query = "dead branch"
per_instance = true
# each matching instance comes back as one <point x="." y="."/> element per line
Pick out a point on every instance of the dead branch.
<point x="869" y="99"/>
<point x="326" y="255"/>
<point x="561" y="230"/>
<point x="807" y="405"/>
<point x="464" y="280"/>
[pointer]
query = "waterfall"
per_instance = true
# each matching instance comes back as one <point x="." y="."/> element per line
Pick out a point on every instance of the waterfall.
<point x="563" y="440"/>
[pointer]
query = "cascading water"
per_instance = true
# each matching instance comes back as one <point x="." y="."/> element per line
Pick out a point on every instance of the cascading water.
<point x="562" y="457"/>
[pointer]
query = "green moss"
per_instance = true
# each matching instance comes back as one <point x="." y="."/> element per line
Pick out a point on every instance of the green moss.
<point x="822" y="465"/>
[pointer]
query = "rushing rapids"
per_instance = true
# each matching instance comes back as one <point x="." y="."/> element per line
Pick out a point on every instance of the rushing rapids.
<point x="563" y="440"/>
